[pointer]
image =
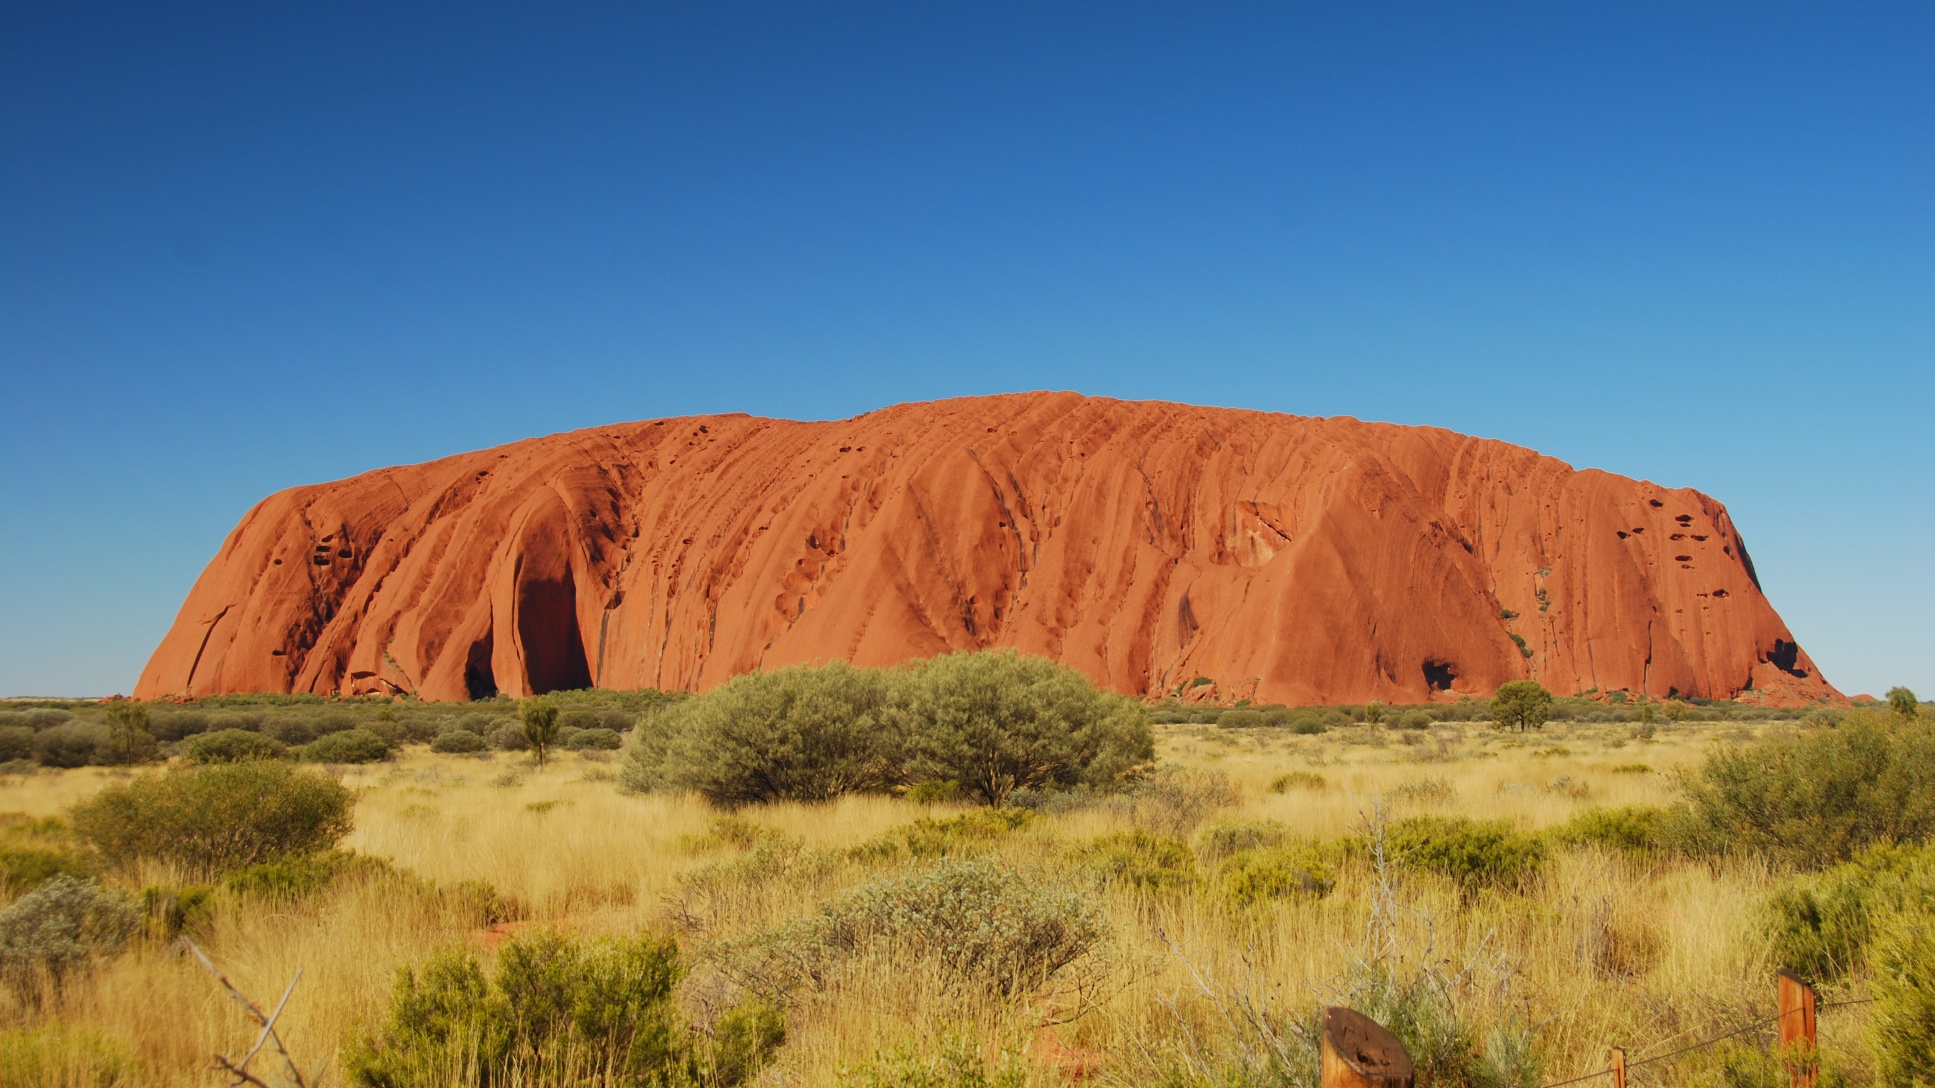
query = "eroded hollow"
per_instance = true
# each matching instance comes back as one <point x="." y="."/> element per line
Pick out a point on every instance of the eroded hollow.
<point x="547" y="629"/>
<point x="1438" y="675"/>
<point x="479" y="681"/>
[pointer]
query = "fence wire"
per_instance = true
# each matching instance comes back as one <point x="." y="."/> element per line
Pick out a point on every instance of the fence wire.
<point x="1761" y="1023"/>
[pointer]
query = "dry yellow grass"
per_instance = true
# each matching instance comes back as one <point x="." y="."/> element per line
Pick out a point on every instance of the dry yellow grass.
<point x="1604" y="950"/>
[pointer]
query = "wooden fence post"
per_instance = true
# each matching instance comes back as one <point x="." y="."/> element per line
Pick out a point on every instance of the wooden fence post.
<point x="1619" y="1067"/>
<point x="1797" y="1026"/>
<point x="1358" y="1053"/>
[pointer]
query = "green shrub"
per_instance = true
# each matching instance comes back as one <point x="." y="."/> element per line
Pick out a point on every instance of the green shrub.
<point x="1822" y="923"/>
<point x="1240" y="719"/>
<point x="985" y="927"/>
<point x="458" y="740"/>
<point x="1222" y="839"/>
<point x="23" y="867"/>
<point x="997" y="721"/>
<point x="934" y="791"/>
<point x="1474" y="853"/>
<point x="176" y="909"/>
<point x="58" y="929"/>
<point x="1632" y="828"/>
<point x="596" y="739"/>
<point x="1174" y="801"/>
<point x="1280" y="871"/>
<point x="1815" y="797"/>
<point x="508" y="737"/>
<point x="54" y="1053"/>
<point x="959" y="1061"/>
<point x="1308" y="726"/>
<point x="1902" y="1033"/>
<point x="802" y="733"/>
<point x="559" y="1011"/>
<point x="71" y="744"/>
<point x="231" y="746"/>
<point x="1297" y="780"/>
<point x="295" y="877"/>
<point x="16" y="742"/>
<point x="217" y="818"/>
<point x="347" y="746"/>
<point x="1138" y="859"/>
<point x="1412" y="720"/>
<point x="968" y="833"/>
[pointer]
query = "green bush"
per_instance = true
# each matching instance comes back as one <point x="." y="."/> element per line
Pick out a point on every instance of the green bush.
<point x="1903" y="1030"/>
<point x="802" y="733"/>
<point x="217" y="818"/>
<point x="1138" y="859"/>
<point x="987" y="928"/>
<point x="71" y="744"/>
<point x="509" y="737"/>
<point x="347" y="746"/>
<point x="1308" y="726"/>
<point x="57" y="930"/>
<point x="1633" y="828"/>
<point x="1277" y="872"/>
<point x="1822" y="923"/>
<point x="1815" y="797"/>
<point x="1240" y="719"/>
<point x="1412" y="720"/>
<point x="960" y="1061"/>
<point x="997" y="721"/>
<point x="968" y="833"/>
<point x="290" y="878"/>
<point x="231" y="746"/>
<point x="1297" y="780"/>
<point x="558" y="1011"/>
<point x="16" y="742"/>
<point x="596" y="739"/>
<point x="1222" y="839"/>
<point x="54" y="1053"/>
<point x="458" y="740"/>
<point x="1475" y="854"/>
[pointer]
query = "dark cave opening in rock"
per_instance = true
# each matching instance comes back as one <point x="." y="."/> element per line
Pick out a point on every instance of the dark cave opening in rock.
<point x="547" y="629"/>
<point x="1438" y="675"/>
<point x="479" y="681"/>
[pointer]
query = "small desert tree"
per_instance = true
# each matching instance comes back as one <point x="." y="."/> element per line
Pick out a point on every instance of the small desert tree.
<point x="1521" y="705"/>
<point x="1374" y="713"/>
<point x="540" y="717"/>
<point x="1903" y="702"/>
<point x="128" y="728"/>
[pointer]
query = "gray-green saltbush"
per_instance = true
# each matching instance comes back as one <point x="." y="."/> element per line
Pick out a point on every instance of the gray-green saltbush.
<point x="217" y="818"/>
<point x="57" y="930"/>
<point x="1823" y="923"/>
<point x="1137" y="859"/>
<point x="596" y="739"/>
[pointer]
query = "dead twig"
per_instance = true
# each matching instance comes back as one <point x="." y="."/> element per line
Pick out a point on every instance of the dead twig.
<point x="240" y="1069"/>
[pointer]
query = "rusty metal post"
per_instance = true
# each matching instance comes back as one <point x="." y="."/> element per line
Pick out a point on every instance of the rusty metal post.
<point x="1619" y="1067"/>
<point x="1357" y="1052"/>
<point x="1797" y="1027"/>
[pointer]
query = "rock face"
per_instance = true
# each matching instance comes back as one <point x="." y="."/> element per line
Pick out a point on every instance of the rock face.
<point x="1157" y="547"/>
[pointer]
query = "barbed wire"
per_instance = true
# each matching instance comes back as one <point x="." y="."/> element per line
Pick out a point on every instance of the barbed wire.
<point x="1761" y="1023"/>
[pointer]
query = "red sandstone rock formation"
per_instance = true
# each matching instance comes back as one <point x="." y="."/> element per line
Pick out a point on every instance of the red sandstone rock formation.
<point x="1149" y="545"/>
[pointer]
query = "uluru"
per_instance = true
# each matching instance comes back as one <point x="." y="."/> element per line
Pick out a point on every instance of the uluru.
<point x="1159" y="548"/>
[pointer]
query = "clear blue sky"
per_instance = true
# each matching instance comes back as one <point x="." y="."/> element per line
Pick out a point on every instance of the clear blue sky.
<point x="260" y="245"/>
